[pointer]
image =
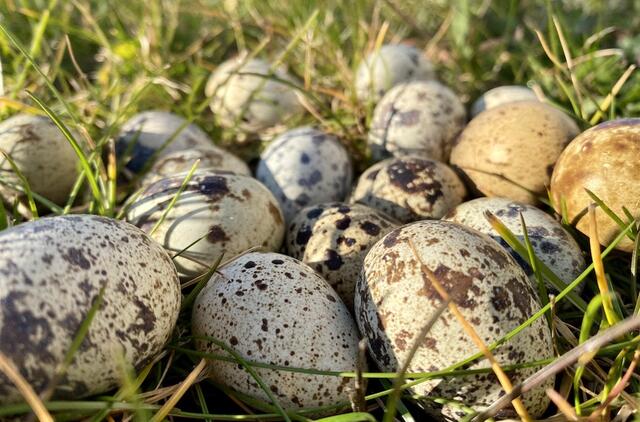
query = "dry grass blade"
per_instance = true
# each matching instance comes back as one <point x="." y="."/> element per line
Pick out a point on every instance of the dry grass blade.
<point x="177" y="395"/>
<point x="8" y="368"/>
<point x="569" y="358"/>
<point x="358" y="403"/>
<point x="563" y="406"/>
<point x="471" y="332"/>
<point x="614" y="91"/>
<point x="567" y="55"/>
<point x="598" y="265"/>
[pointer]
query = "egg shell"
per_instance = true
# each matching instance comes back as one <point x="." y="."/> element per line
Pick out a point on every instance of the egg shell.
<point x="416" y="118"/>
<point x="395" y="297"/>
<point x="606" y="160"/>
<point x="241" y="99"/>
<point x="41" y="153"/>
<point x="552" y="244"/>
<point x="150" y="130"/>
<point x="52" y="272"/>
<point x="211" y="159"/>
<point x="502" y="95"/>
<point x="333" y="238"/>
<point x="410" y="188"/>
<point x="305" y="166"/>
<point x="387" y="67"/>
<point x="509" y="151"/>
<point x="274" y="309"/>
<point x="230" y="213"/>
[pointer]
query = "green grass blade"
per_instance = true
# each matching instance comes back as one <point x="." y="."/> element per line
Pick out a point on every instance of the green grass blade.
<point x="205" y="278"/>
<point x="24" y="182"/>
<point x="349" y="417"/>
<point x="4" y="221"/>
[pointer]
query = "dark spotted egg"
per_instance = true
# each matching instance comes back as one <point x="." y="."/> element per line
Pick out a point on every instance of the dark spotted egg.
<point x="395" y="297"/>
<point x="388" y="66"/>
<point x="416" y="118"/>
<point x="333" y="238"/>
<point x="305" y="166"/>
<point x="41" y="153"/>
<point x="145" y="133"/>
<point x="274" y="309"/>
<point x="52" y="271"/>
<point x="216" y="213"/>
<point x="410" y="188"/>
<point x="552" y="244"/>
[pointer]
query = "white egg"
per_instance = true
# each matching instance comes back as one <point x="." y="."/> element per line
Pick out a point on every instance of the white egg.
<point x="502" y="95"/>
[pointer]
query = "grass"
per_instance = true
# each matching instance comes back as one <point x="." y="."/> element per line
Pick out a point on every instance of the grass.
<point x="91" y="65"/>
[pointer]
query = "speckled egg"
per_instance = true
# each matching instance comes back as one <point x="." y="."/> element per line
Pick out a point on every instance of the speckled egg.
<point x="43" y="155"/>
<point x="387" y="67"/>
<point x="502" y="95"/>
<point x="221" y="212"/>
<point x="305" y="166"/>
<point x="552" y="244"/>
<point x="416" y="118"/>
<point x="274" y="309"/>
<point x="147" y="132"/>
<point x="410" y="188"/>
<point x="244" y="99"/>
<point x="606" y="160"/>
<point x="333" y="238"/>
<point x="52" y="271"/>
<point x="509" y="151"/>
<point x="395" y="297"/>
<point x="211" y="159"/>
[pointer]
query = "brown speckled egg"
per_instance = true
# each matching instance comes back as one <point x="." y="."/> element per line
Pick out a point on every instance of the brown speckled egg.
<point x="416" y="118"/>
<point x="606" y="160"/>
<point x="510" y="150"/>
<point x="221" y="212"/>
<point x="51" y="272"/>
<point x="333" y="238"/>
<point x="502" y="95"/>
<point x="211" y="159"/>
<point x="410" y="188"/>
<point x="274" y="309"/>
<point x="43" y="155"/>
<point x="552" y="244"/>
<point x="395" y="298"/>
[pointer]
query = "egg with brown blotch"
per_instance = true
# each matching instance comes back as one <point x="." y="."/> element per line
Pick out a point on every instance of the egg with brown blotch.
<point x="216" y="213"/>
<point x="274" y="309"/>
<point x="396" y="295"/>
<point x="52" y="271"/>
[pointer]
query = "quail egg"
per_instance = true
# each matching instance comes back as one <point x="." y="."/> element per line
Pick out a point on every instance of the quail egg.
<point x="395" y="296"/>
<point x="388" y="66"/>
<point x="41" y="153"/>
<point x="274" y="309"/>
<point x="509" y="151"/>
<point x="552" y="244"/>
<point x="333" y="238"/>
<point x="305" y="166"/>
<point x="502" y="95"/>
<point x="410" y="188"/>
<point x="416" y="118"/>
<point x="216" y="213"/>
<point x="211" y="159"/>
<point x="52" y="271"/>
<point x="606" y="160"/>
<point x="244" y="95"/>
<point x="147" y="132"/>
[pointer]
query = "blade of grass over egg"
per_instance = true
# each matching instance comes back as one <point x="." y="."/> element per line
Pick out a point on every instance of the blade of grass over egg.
<point x="78" y="338"/>
<point x="173" y="201"/>
<point x="569" y="288"/>
<point x="513" y="241"/>
<point x="86" y="167"/>
<point x="24" y="183"/>
<point x="533" y="260"/>
<point x="609" y="212"/>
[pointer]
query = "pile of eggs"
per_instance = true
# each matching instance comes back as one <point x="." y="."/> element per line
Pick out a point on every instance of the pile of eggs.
<point x="314" y="257"/>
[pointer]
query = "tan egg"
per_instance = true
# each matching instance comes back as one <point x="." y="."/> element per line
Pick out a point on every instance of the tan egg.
<point x="410" y="188"/>
<point x="606" y="160"/>
<point x="510" y="150"/>
<point x="416" y="118"/>
<point x="211" y="159"/>
<point x="41" y="153"/>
